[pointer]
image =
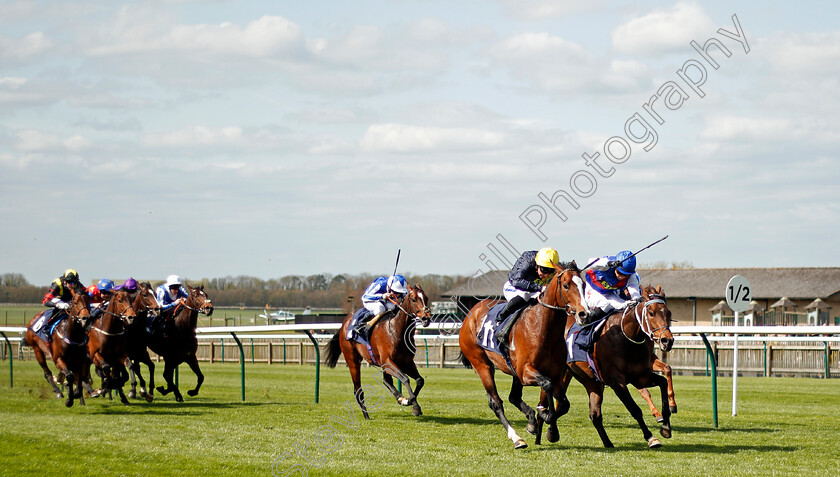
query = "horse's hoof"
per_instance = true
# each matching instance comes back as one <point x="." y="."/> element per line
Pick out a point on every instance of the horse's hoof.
<point x="59" y="395"/>
<point x="520" y="444"/>
<point x="531" y="428"/>
<point x="149" y="398"/>
<point x="659" y="418"/>
<point x="673" y="409"/>
<point x="653" y="443"/>
<point x="552" y="434"/>
<point x="192" y="392"/>
<point x="403" y="401"/>
<point x="665" y="431"/>
<point x="179" y="398"/>
<point x="132" y="394"/>
<point x="162" y="390"/>
<point x="68" y="403"/>
<point x="417" y="412"/>
<point x="96" y="393"/>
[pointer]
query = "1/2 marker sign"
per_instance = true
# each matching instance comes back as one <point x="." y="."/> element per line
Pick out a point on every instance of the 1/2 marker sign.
<point x="738" y="293"/>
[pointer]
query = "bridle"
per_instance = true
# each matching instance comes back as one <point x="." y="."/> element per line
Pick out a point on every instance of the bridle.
<point x="644" y="320"/>
<point x="120" y="315"/>
<point x="414" y="316"/>
<point x="63" y="336"/>
<point x="566" y="307"/>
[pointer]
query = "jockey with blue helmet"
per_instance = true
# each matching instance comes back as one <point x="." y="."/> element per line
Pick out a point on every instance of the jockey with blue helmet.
<point x="379" y="295"/>
<point x="100" y="295"/>
<point x="611" y="284"/>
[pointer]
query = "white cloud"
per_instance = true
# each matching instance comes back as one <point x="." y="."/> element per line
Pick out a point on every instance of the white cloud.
<point x="405" y="138"/>
<point x="542" y="9"/>
<point x="19" y="49"/>
<point x="556" y="65"/>
<point x="769" y="129"/>
<point x="195" y="136"/>
<point x="803" y="54"/>
<point x="76" y="143"/>
<point x="266" y="37"/>
<point x="31" y="140"/>
<point x="663" y="30"/>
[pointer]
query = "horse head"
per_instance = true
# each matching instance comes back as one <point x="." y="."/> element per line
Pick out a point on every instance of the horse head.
<point x="416" y="304"/>
<point x="145" y="299"/>
<point x="657" y="317"/>
<point x="122" y="307"/>
<point x="198" y="300"/>
<point x="79" y="307"/>
<point x="565" y="290"/>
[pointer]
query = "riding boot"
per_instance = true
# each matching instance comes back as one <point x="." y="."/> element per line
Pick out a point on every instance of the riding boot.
<point x="503" y="332"/>
<point x="592" y="317"/>
<point x="368" y="325"/>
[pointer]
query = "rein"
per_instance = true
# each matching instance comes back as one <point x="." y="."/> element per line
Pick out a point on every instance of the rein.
<point x="68" y="340"/>
<point x="413" y="316"/>
<point x="553" y="307"/>
<point x="643" y="321"/>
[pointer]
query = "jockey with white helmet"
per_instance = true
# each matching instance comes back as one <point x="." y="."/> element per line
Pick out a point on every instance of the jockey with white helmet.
<point x="171" y="293"/>
<point x="377" y="298"/>
<point x="611" y="284"/>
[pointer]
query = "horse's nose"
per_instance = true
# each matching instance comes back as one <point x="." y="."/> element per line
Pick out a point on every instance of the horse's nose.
<point x="582" y="314"/>
<point x="665" y="344"/>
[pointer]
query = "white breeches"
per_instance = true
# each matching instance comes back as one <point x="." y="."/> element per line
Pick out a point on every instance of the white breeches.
<point x="377" y="307"/>
<point x="510" y="291"/>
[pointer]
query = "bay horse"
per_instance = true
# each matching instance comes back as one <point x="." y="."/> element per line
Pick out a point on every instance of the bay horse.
<point x="145" y="305"/>
<point x="622" y="356"/>
<point x="392" y="343"/>
<point x="67" y="347"/>
<point x="536" y="341"/>
<point x="179" y="344"/>
<point x="107" y="345"/>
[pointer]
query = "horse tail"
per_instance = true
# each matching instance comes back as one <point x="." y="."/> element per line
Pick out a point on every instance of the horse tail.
<point x="464" y="360"/>
<point x="333" y="350"/>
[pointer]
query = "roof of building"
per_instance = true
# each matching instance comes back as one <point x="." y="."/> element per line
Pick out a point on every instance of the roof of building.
<point x="703" y="283"/>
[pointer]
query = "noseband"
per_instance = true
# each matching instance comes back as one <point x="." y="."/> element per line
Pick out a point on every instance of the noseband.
<point x="411" y="315"/>
<point x="644" y="321"/>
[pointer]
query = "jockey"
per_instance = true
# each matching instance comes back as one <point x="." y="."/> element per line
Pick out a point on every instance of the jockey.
<point x="130" y="286"/>
<point x="611" y="284"/>
<point x="100" y="295"/>
<point x="526" y="280"/>
<point x="377" y="298"/>
<point x="171" y="293"/>
<point x="59" y="296"/>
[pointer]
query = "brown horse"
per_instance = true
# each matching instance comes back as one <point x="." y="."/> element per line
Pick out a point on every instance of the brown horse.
<point x="107" y="342"/>
<point x="144" y="305"/>
<point x="622" y="356"/>
<point x="536" y="341"/>
<point x="67" y="347"/>
<point x="179" y="344"/>
<point x="392" y="342"/>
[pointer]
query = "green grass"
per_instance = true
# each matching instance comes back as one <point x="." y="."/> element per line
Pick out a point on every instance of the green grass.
<point x="784" y="426"/>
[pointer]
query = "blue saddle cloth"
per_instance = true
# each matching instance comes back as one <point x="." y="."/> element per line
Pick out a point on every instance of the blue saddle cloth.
<point x="45" y="325"/>
<point x="487" y="331"/>
<point x="354" y="329"/>
<point x="580" y="343"/>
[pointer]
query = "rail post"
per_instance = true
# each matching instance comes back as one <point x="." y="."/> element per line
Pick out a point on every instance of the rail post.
<point x="713" y="361"/>
<point x="252" y="351"/>
<point x="241" y="361"/>
<point x="426" y="343"/>
<point x="317" y="362"/>
<point x="12" y="371"/>
<point x="827" y="364"/>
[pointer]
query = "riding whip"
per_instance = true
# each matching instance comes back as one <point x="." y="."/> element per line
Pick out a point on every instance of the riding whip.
<point x="631" y="256"/>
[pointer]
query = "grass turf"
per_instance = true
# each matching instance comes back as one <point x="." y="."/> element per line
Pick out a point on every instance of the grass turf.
<point x="784" y="426"/>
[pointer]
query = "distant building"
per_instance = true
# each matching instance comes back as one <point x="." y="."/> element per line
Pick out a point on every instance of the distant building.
<point x="781" y="295"/>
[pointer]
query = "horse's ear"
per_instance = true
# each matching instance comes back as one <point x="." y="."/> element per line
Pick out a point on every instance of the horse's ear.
<point x="659" y="289"/>
<point x="645" y="293"/>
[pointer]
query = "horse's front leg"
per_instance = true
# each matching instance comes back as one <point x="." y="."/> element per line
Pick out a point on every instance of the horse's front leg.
<point x="531" y="377"/>
<point x="515" y="398"/>
<point x="623" y="394"/>
<point x="663" y="367"/>
<point x="664" y="384"/>
<point x="168" y="374"/>
<point x="192" y="361"/>
<point x="391" y="369"/>
<point x="133" y="371"/>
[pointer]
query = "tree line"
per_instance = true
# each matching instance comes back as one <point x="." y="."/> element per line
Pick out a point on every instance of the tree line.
<point x="323" y="290"/>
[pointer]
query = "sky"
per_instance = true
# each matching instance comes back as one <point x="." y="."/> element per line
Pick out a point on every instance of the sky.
<point x="264" y="138"/>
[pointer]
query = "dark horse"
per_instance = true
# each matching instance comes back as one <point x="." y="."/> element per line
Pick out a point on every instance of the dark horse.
<point x="179" y="344"/>
<point x="536" y="341"/>
<point x="392" y="342"/>
<point x="145" y="305"/>
<point x="107" y="342"/>
<point x="67" y="347"/>
<point x="622" y="356"/>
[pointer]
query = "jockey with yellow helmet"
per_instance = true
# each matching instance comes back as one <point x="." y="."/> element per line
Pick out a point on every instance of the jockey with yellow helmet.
<point x="59" y="297"/>
<point x="526" y="280"/>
